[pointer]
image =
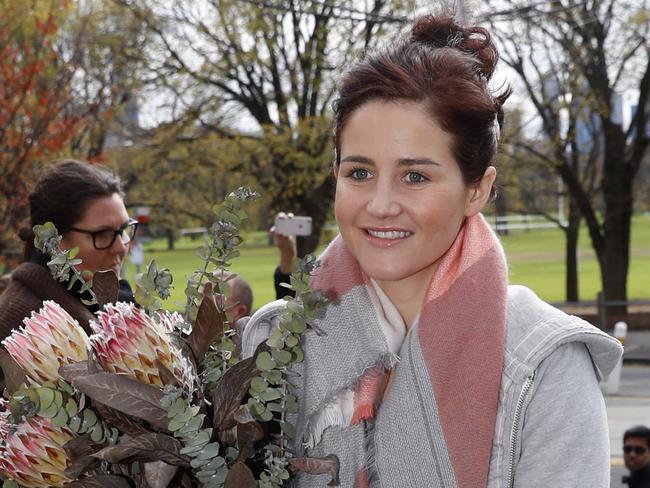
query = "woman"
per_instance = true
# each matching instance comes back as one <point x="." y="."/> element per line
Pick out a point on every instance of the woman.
<point x="428" y="370"/>
<point x="85" y="203"/>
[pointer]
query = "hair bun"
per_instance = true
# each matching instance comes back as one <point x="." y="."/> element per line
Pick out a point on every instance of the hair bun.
<point x="444" y="31"/>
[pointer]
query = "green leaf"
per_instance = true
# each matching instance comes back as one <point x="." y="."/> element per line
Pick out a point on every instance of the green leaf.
<point x="45" y="397"/>
<point x="258" y="384"/>
<point x="292" y="341"/>
<point x="61" y="418"/>
<point x="288" y="429"/>
<point x="298" y="325"/>
<point x="273" y="376"/>
<point x="264" y="361"/>
<point x="266" y="416"/>
<point x="299" y="355"/>
<point x="270" y="394"/>
<point x="281" y="357"/>
<point x="209" y="451"/>
<point x="275" y="340"/>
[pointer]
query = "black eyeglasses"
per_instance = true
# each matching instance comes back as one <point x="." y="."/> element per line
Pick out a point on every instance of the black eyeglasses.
<point x="105" y="238"/>
<point x="638" y="450"/>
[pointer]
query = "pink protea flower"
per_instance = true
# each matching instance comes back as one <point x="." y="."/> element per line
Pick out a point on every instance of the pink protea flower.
<point x="31" y="453"/>
<point x="49" y="339"/>
<point x="128" y="341"/>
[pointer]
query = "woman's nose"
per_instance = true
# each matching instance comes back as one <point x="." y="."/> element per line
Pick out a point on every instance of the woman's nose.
<point x="384" y="201"/>
<point x="119" y="247"/>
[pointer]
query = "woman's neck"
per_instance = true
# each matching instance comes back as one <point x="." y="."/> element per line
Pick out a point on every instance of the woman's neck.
<point x="408" y="294"/>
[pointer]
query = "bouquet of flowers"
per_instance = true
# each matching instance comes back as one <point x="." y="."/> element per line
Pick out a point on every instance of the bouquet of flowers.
<point x="154" y="398"/>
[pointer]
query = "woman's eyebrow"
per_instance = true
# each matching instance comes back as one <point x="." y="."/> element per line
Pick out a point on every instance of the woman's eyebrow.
<point x="414" y="161"/>
<point x="354" y="158"/>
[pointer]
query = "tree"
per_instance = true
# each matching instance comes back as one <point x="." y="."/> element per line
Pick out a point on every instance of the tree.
<point x="36" y="116"/>
<point x="180" y="176"/>
<point x="573" y="60"/>
<point x="265" y="69"/>
<point x="109" y="78"/>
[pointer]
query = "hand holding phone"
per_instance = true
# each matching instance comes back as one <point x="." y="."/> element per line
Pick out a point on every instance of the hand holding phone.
<point x="297" y="225"/>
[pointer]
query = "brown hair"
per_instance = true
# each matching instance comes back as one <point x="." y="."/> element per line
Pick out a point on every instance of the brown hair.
<point x="62" y="193"/>
<point x="446" y="68"/>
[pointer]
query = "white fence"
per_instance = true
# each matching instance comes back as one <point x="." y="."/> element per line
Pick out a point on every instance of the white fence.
<point x="519" y="222"/>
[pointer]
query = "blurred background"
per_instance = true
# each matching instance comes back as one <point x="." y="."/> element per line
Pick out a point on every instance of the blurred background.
<point x="189" y="99"/>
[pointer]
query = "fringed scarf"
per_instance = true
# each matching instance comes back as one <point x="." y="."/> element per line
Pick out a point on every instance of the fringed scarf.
<point x="447" y="374"/>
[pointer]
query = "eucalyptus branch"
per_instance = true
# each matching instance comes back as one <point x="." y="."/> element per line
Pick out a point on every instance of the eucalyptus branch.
<point x="221" y="247"/>
<point x="62" y="265"/>
<point x="269" y="390"/>
<point x="153" y="286"/>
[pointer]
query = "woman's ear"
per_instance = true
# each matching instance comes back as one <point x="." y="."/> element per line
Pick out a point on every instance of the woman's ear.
<point x="479" y="194"/>
<point x="335" y="169"/>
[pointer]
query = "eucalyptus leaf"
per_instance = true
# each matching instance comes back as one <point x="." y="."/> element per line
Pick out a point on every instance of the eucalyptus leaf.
<point x="265" y="362"/>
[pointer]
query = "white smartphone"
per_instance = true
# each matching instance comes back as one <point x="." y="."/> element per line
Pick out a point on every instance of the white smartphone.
<point x="298" y="225"/>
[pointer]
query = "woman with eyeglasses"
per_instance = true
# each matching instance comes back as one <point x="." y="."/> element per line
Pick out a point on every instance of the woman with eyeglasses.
<point x="427" y="369"/>
<point x="85" y="203"/>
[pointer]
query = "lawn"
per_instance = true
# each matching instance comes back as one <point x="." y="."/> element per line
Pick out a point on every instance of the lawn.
<point x="535" y="257"/>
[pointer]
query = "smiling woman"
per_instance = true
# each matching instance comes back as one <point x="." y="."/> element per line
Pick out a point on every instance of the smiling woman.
<point x="86" y="205"/>
<point x="427" y="369"/>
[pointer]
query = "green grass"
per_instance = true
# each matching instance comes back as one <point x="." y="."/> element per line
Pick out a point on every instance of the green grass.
<point x="536" y="259"/>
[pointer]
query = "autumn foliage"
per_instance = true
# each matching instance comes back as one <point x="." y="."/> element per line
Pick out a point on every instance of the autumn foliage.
<point x="37" y="118"/>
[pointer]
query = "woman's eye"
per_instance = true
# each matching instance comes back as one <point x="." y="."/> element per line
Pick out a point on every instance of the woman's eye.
<point x="413" y="177"/>
<point x="359" y="174"/>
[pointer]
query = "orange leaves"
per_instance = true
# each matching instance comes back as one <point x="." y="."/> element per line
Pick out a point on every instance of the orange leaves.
<point x="37" y="118"/>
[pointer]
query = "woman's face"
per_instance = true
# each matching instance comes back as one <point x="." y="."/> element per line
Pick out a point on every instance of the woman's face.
<point x="400" y="195"/>
<point x="105" y="213"/>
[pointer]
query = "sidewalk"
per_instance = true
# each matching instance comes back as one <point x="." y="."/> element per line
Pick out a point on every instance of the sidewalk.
<point x="631" y="405"/>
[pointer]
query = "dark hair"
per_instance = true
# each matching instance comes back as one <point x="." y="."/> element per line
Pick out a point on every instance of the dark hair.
<point x="639" y="431"/>
<point x="445" y="67"/>
<point x="62" y="193"/>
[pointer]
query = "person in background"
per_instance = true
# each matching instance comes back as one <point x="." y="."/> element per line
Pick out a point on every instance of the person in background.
<point x="636" y="453"/>
<point x="427" y="369"/>
<point x="85" y="202"/>
<point x="136" y="254"/>
<point x="238" y="305"/>
<point x="286" y="244"/>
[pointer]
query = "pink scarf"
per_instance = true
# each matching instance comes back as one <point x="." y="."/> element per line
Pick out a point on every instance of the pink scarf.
<point x="461" y="330"/>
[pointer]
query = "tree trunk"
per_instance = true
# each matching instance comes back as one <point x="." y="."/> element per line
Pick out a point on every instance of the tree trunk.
<point x="501" y="208"/>
<point x="572" y="235"/>
<point x="617" y="196"/>
<point x="615" y="259"/>
<point x="315" y="204"/>
<point x="171" y="238"/>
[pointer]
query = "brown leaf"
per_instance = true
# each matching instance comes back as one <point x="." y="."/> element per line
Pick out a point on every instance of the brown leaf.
<point x="14" y="376"/>
<point x="186" y="481"/>
<point x="146" y="448"/>
<point x="247" y="434"/>
<point x="240" y="476"/>
<point x="228" y="395"/>
<point x="80" y="450"/>
<point x="101" y="481"/>
<point x="124" y="423"/>
<point x="207" y="326"/>
<point x="70" y="372"/>
<point x="127" y="395"/>
<point x="106" y="286"/>
<point x="158" y="474"/>
<point x="325" y="465"/>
